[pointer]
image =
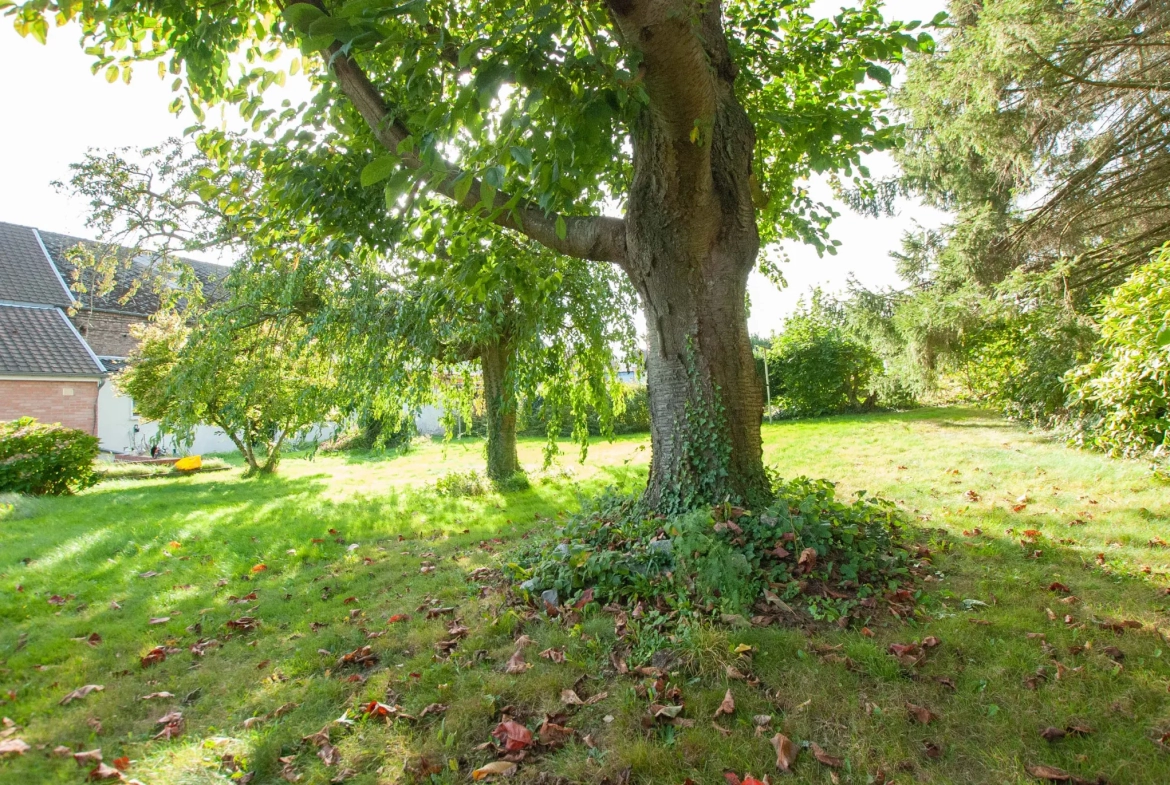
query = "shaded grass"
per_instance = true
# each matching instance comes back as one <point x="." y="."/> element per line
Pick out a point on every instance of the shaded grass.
<point x="96" y="545"/>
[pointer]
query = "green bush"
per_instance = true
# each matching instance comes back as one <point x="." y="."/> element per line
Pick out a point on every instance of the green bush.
<point x="1121" y="398"/>
<point x="39" y="459"/>
<point x="816" y="368"/>
<point x="727" y="559"/>
<point x="469" y="483"/>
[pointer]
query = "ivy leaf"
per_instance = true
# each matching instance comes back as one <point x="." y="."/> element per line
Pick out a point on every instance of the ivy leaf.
<point x="378" y="170"/>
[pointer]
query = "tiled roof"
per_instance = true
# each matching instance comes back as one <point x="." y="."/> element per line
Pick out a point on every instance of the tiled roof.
<point x="144" y="301"/>
<point x="26" y="276"/>
<point x="40" y="341"/>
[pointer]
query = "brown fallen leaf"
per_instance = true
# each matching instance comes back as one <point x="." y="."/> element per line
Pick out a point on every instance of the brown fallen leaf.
<point x="433" y="708"/>
<point x="122" y="763"/>
<point x="154" y="656"/>
<point x="516" y="663"/>
<point x="556" y="655"/>
<point x="499" y="768"/>
<point x="1050" y="773"/>
<point x="786" y="751"/>
<point x="154" y="695"/>
<point x="920" y="714"/>
<point x="80" y="693"/>
<point x="824" y="757"/>
<point x="104" y="772"/>
<point x="13" y="747"/>
<point x="727" y="706"/>
<point x="725" y="732"/>
<point x="88" y="757"/>
<point x="1052" y="734"/>
<point x="329" y="754"/>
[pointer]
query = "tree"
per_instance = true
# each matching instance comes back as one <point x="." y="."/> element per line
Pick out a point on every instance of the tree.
<point x="260" y="383"/>
<point x="700" y="117"/>
<point x="403" y="312"/>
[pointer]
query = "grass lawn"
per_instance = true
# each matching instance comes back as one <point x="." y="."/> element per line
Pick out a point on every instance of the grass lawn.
<point x="327" y="552"/>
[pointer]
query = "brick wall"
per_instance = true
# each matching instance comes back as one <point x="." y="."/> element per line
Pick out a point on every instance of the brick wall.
<point x="108" y="334"/>
<point x="48" y="402"/>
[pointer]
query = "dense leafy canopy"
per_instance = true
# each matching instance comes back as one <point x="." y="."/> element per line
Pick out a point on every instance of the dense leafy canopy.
<point x="533" y="100"/>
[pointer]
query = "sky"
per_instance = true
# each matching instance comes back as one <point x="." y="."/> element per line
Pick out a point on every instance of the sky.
<point x="57" y="110"/>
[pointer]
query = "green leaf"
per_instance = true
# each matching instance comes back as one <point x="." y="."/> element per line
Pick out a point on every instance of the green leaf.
<point x="1163" y="337"/>
<point x="462" y="186"/>
<point x="561" y="228"/>
<point x="302" y="16"/>
<point x="878" y="74"/>
<point x="378" y="170"/>
<point x="329" y="25"/>
<point x="487" y="195"/>
<point x="522" y="156"/>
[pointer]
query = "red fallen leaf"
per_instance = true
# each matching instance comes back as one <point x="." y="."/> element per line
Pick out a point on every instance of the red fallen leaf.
<point x="349" y="600"/>
<point x="921" y="714"/>
<point x="585" y="598"/>
<point x="397" y="618"/>
<point x="727" y="706"/>
<point x="122" y="763"/>
<point x="1057" y="586"/>
<point x="333" y="531"/>
<point x="867" y="632"/>
<point x="259" y="568"/>
<point x="154" y="656"/>
<point x="317" y="540"/>
<point x="1050" y="773"/>
<point x="104" y="772"/>
<point x="824" y="757"/>
<point x="363" y="656"/>
<point x="57" y="599"/>
<point x="376" y="709"/>
<point x="512" y="735"/>
<point x="750" y="780"/>
<point x="786" y="752"/>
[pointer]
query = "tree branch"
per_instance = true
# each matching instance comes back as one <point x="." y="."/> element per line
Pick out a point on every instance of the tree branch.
<point x="596" y="238"/>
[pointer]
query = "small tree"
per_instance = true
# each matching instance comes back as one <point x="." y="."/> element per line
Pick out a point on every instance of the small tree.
<point x="260" y="383"/>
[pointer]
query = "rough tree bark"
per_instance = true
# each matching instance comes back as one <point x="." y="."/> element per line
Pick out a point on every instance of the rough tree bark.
<point x="500" y="405"/>
<point x="688" y="243"/>
<point x="691" y="241"/>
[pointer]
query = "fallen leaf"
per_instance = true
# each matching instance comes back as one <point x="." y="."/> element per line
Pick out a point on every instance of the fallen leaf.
<point x="727" y="706"/>
<point x="88" y="757"/>
<point x="512" y="735"/>
<point x="824" y="757"/>
<point x="500" y="768"/>
<point x="329" y="754"/>
<point x="397" y="618"/>
<point x="160" y="620"/>
<point x="13" y="747"/>
<point x="516" y="663"/>
<point x="122" y="763"/>
<point x="80" y="693"/>
<point x="786" y="751"/>
<point x="154" y="656"/>
<point x="1050" y="773"/>
<point x="260" y="568"/>
<point x="1052" y="734"/>
<point x="154" y="695"/>
<point x="104" y="772"/>
<point x="920" y="714"/>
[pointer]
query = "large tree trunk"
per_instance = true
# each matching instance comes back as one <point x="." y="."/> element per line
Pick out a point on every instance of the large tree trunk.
<point x="500" y="404"/>
<point x="691" y="243"/>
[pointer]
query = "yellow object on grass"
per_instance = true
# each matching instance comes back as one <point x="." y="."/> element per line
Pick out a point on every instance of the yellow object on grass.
<point x="189" y="464"/>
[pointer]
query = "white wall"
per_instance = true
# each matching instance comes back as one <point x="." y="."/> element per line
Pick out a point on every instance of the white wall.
<point x="117" y="424"/>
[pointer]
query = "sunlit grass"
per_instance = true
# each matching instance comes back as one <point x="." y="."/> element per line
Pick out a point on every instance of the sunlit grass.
<point x="205" y="535"/>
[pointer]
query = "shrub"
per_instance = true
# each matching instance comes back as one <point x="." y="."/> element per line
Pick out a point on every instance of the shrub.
<point x="806" y="549"/>
<point x="816" y="368"/>
<point x="469" y="483"/>
<point x="1121" y="398"/>
<point x="40" y="459"/>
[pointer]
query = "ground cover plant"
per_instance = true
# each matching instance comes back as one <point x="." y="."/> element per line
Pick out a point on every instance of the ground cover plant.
<point x="226" y="623"/>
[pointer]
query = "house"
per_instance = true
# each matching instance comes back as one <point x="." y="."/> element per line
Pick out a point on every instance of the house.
<point x="60" y="342"/>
